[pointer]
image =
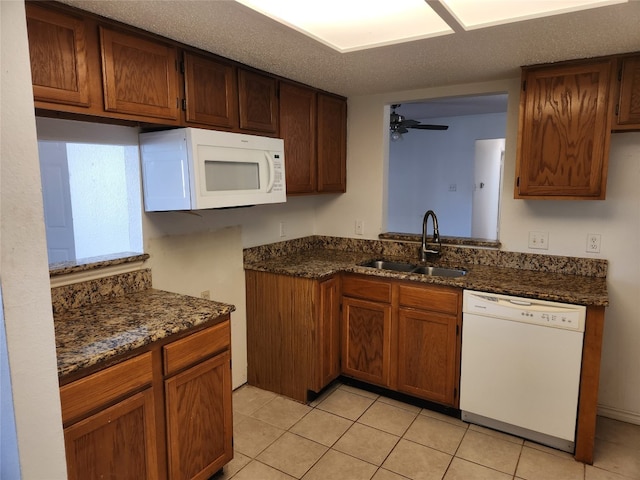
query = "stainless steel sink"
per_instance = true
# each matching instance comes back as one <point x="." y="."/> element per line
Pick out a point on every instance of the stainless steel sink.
<point x="387" y="265"/>
<point x="412" y="268"/>
<point x="439" y="271"/>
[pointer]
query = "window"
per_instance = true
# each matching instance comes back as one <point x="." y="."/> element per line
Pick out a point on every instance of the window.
<point x="91" y="190"/>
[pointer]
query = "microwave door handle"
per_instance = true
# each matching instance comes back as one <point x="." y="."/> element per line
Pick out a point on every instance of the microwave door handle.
<point x="272" y="176"/>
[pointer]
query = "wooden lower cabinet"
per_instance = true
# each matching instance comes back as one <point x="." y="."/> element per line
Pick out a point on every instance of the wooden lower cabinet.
<point x="165" y="413"/>
<point x="199" y="428"/>
<point x="429" y="321"/>
<point x="117" y="442"/>
<point x="403" y="336"/>
<point x="328" y="339"/>
<point x="292" y="333"/>
<point x="366" y="340"/>
<point x="427" y="355"/>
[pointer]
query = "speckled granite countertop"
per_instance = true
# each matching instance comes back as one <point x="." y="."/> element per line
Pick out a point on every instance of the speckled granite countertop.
<point x="95" y="333"/>
<point x="528" y="281"/>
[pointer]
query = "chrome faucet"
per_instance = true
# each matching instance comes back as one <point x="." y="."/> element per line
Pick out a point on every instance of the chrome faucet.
<point x="436" y="236"/>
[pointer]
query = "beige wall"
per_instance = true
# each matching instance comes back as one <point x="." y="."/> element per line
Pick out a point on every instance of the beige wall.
<point x="198" y="251"/>
<point x="24" y="272"/>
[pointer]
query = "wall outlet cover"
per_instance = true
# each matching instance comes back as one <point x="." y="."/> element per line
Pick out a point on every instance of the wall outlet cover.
<point x="539" y="240"/>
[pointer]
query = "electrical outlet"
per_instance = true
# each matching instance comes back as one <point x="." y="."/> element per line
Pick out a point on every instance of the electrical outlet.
<point x="206" y="294"/>
<point x="283" y="229"/>
<point x="539" y="240"/>
<point x="593" y="243"/>
<point x="359" y="228"/>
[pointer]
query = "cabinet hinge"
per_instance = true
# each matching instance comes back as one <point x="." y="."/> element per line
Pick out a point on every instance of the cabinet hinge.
<point x="232" y="442"/>
<point x="457" y="330"/>
<point x="517" y="181"/>
<point x="524" y="85"/>
<point x="340" y="307"/>
<point x="455" y="392"/>
<point x="620" y="75"/>
<point x="184" y="104"/>
<point x="231" y="364"/>
<point x="617" y="109"/>
<point x="182" y="67"/>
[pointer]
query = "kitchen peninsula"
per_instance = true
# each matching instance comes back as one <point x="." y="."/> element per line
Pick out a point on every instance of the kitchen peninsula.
<point x="147" y="369"/>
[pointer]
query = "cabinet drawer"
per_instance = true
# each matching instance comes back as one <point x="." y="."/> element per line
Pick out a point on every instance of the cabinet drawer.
<point x="196" y="347"/>
<point x="82" y="396"/>
<point x="366" y="288"/>
<point x="435" y="299"/>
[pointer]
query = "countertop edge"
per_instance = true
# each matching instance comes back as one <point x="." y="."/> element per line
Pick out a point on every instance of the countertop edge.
<point x="468" y="282"/>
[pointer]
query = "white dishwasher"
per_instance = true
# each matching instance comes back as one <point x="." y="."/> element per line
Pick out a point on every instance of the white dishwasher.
<point x="520" y="370"/>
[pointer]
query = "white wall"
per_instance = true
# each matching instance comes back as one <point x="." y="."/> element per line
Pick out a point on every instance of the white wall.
<point x="24" y="271"/>
<point x="567" y="222"/>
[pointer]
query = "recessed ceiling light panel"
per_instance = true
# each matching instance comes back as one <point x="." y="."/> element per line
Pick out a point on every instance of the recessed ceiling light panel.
<point x="474" y="14"/>
<point x="349" y="25"/>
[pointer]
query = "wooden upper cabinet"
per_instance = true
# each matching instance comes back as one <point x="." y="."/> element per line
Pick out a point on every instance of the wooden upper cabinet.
<point x="628" y="114"/>
<point x="257" y="102"/>
<point x="298" y="129"/>
<point x="565" y="123"/>
<point x="57" y="48"/>
<point x="211" y="96"/>
<point x="139" y="75"/>
<point x="332" y="143"/>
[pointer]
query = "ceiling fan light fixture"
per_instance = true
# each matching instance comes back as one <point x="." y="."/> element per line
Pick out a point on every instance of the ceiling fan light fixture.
<point x="395" y="135"/>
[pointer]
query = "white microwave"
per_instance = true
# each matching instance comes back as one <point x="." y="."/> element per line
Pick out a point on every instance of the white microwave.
<point x="194" y="169"/>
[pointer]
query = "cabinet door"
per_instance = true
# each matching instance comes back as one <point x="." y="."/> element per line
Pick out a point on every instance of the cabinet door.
<point x="332" y="144"/>
<point x="57" y="49"/>
<point x="366" y="340"/>
<point x="298" y="129"/>
<point x="629" y="102"/>
<point x="118" y="442"/>
<point x="139" y="75"/>
<point x="210" y="92"/>
<point x="199" y="419"/>
<point x="329" y="332"/>
<point x="565" y="124"/>
<point x="427" y="355"/>
<point x="257" y="102"/>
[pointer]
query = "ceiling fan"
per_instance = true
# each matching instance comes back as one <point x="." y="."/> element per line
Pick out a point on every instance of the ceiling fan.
<point x="398" y="125"/>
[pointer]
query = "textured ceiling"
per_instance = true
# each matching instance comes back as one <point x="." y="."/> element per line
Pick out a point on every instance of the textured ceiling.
<point x="232" y="30"/>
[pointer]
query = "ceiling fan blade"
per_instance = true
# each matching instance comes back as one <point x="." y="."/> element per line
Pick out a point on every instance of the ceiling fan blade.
<point x="429" y="127"/>
<point x="408" y="123"/>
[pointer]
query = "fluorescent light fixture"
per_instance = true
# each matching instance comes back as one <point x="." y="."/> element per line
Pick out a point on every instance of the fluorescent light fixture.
<point x="472" y="14"/>
<point x="350" y="25"/>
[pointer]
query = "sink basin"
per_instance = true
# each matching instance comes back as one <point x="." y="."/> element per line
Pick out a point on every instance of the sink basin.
<point x="387" y="265"/>
<point x="439" y="271"/>
<point x="412" y="268"/>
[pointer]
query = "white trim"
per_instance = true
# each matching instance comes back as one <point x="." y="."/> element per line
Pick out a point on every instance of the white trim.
<point x="87" y="275"/>
<point x="618" y="414"/>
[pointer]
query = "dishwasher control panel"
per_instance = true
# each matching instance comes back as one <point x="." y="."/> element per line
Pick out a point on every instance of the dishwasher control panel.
<point x="526" y="310"/>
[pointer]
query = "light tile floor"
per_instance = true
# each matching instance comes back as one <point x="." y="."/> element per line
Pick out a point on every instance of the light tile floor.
<point x="352" y="434"/>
